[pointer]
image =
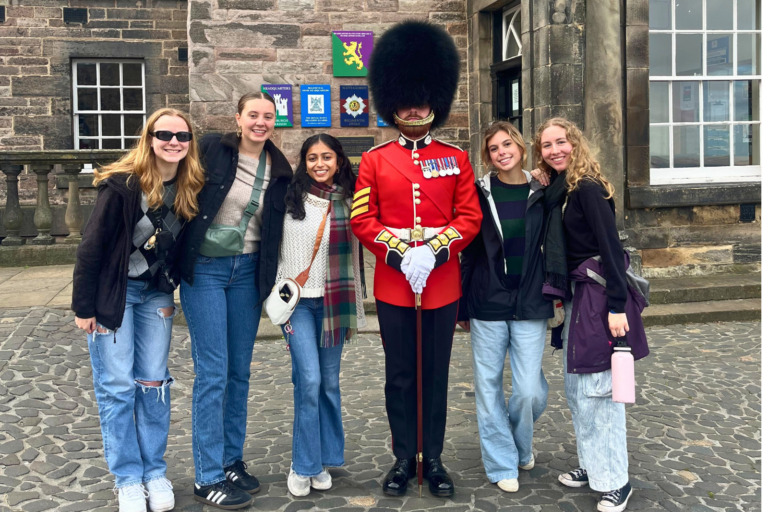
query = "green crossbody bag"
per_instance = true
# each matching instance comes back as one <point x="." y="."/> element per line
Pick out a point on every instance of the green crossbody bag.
<point x="222" y="240"/>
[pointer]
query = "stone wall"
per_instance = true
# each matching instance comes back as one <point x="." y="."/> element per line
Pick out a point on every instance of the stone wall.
<point x="238" y="45"/>
<point x="36" y="48"/>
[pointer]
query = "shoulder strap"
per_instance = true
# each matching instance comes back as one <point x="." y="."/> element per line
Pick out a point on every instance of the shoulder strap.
<point x="302" y="278"/>
<point x="258" y="183"/>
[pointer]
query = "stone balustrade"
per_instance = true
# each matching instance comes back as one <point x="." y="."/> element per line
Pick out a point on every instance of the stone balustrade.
<point x="42" y="163"/>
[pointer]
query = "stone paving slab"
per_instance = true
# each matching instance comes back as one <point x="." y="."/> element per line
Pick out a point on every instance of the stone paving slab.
<point x="694" y="435"/>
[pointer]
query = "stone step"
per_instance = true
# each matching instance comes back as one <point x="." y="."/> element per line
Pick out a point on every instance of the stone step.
<point x="713" y="287"/>
<point x="734" y="310"/>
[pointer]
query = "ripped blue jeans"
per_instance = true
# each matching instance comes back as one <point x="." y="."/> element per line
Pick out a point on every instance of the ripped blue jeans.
<point x="135" y="417"/>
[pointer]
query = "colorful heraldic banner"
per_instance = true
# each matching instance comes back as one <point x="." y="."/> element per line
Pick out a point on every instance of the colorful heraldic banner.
<point x="354" y="105"/>
<point x="283" y="96"/>
<point x="315" y="106"/>
<point x="351" y="52"/>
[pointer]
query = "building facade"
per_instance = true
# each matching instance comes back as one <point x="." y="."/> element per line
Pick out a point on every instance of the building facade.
<point x="668" y="92"/>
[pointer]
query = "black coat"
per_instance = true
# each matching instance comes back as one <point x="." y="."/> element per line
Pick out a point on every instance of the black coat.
<point x="100" y="278"/>
<point x="220" y="156"/>
<point x="484" y="294"/>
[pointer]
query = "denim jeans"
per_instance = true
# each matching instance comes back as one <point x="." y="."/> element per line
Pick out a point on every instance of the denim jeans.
<point x="135" y="418"/>
<point x="506" y="427"/>
<point x="318" y="434"/>
<point x="599" y="423"/>
<point x="222" y="311"/>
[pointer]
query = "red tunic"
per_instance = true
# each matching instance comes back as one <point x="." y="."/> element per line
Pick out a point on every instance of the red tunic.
<point x="393" y="192"/>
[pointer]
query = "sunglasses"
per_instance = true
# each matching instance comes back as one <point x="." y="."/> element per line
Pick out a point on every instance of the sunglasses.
<point x="166" y="136"/>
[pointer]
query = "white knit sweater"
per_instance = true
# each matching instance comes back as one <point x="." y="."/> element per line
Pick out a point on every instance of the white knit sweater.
<point x="296" y="252"/>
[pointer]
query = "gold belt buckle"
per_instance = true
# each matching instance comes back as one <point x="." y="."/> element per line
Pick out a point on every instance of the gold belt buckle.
<point x="417" y="234"/>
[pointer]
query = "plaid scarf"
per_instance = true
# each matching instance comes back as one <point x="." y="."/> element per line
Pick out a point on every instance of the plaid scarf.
<point x="339" y="306"/>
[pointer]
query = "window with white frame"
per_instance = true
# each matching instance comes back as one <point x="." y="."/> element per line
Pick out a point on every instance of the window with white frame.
<point x="108" y="102"/>
<point x="704" y="59"/>
<point x="511" y="45"/>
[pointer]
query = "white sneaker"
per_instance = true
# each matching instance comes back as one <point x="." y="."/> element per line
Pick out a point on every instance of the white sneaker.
<point x="160" y="493"/>
<point x="322" y="482"/>
<point x="298" y="485"/>
<point x="530" y="465"/>
<point x="132" y="498"/>
<point x="508" y="485"/>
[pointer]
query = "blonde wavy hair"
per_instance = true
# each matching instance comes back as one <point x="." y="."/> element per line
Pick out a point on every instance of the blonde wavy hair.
<point x="140" y="163"/>
<point x="514" y="134"/>
<point x="583" y="165"/>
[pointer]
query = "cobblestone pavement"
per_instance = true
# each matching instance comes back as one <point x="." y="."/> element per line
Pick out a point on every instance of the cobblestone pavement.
<point x="694" y="435"/>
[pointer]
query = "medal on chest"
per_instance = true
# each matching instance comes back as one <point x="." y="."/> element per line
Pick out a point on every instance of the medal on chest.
<point x="439" y="167"/>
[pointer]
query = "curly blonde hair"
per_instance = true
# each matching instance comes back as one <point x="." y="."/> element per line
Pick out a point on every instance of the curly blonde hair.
<point x="140" y="163"/>
<point x="514" y="134"/>
<point x="583" y="165"/>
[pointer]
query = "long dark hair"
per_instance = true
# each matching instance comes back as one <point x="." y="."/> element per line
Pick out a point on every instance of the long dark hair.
<point x="344" y="177"/>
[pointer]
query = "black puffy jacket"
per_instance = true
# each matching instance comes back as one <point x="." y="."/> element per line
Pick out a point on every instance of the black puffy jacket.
<point x="220" y="154"/>
<point x="484" y="294"/>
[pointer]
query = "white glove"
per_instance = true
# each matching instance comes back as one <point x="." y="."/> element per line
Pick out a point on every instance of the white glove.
<point x="421" y="263"/>
<point x="406" y="261"/>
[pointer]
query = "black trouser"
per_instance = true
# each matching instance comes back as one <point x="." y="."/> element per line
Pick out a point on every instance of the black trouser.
<point x="398" y="335"/>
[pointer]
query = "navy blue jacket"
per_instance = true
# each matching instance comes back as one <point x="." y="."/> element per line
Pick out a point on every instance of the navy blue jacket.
<point x="220" y="156"/>
<point x="484" y="294"/>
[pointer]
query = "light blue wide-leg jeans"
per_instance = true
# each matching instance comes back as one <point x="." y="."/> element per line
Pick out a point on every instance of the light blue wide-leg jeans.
<point x="318" y="433"/>
<point x="506" y="426"/>
<point x="599" y="423"/>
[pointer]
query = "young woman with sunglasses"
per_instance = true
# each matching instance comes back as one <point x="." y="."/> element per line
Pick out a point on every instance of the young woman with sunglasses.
<point x="144" y="198"/>
<point x="225" y="278"/>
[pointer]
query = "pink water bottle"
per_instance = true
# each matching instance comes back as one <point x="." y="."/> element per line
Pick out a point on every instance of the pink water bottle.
<point x="623" y="372"/>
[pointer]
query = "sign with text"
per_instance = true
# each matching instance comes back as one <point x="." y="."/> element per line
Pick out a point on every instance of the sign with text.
<point x="315" y="106"/>
<point x="353" y="110"/>
<point x="283" y="96"/>
<point x="351" y="52"/>
<point x="354" y="147"/>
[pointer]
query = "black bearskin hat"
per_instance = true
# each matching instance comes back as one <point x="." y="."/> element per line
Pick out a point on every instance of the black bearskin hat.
<point x="414" y="63"/>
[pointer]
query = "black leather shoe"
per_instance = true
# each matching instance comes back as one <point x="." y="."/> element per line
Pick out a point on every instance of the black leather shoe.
<point x="440" y="483"/>
<point x="396" y="481"/>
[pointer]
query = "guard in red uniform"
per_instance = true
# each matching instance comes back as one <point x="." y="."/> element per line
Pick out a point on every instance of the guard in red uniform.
<point x="415" y="207"/>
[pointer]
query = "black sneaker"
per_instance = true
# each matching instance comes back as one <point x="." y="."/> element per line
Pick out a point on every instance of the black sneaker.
<point x="616" y="500"/>
<point x="237" y="475"/>
<point x="576" y="478"/>
<point x="222" y="495"/>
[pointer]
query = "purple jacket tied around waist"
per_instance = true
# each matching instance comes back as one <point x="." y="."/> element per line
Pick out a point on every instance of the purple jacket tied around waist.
<point x="590" y="343"/>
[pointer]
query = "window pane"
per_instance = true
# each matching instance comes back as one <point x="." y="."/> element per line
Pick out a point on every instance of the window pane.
<point x="132" y="74"/>
<point x="659" y="147"/>
<point x="110" y="99"/>
<point x="719" y="54"/>
<point x="132" y="99"/>
<point x="659" y="54"/>
<point x="110" y="74"/>
<point x="133" y="124"/>
<point x="111" y="144"/>
<point x="86" y="74"/>
<point x="746" y="144"/>
<point x="110" y="125"/>
<point x="748" y="53"/>
<point x="88" y="144"/>
<point x="747" y="15"/>
<point x="130" y="142"/>
<point x="720" y="15"/>
<point x="717" y="146"/>
<point x="685" y="140"/>
<point x="659" y="108"/>
<point x="746" y="100"/>
<point x="716" y="101"/>
<point x="688" y="15"/>
<point x="688" y="61"/>
<point x="685" y="102"/>
<point x="660" y="15"/>
<point x="86" y="99"/>
<point x="87" y="125"/>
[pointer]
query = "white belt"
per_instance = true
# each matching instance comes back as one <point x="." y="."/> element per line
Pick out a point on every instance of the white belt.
<point x="415" y="234"/>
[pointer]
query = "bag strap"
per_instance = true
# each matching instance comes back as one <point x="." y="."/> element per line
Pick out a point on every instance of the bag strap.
<point x="302" y="278"/>
<point x="258" y="183"/>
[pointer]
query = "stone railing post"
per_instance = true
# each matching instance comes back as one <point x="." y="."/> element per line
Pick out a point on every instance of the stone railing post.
<point x="43" y="215"/>
<point x="74" y="214"/>
<point x="12" y="219"/>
